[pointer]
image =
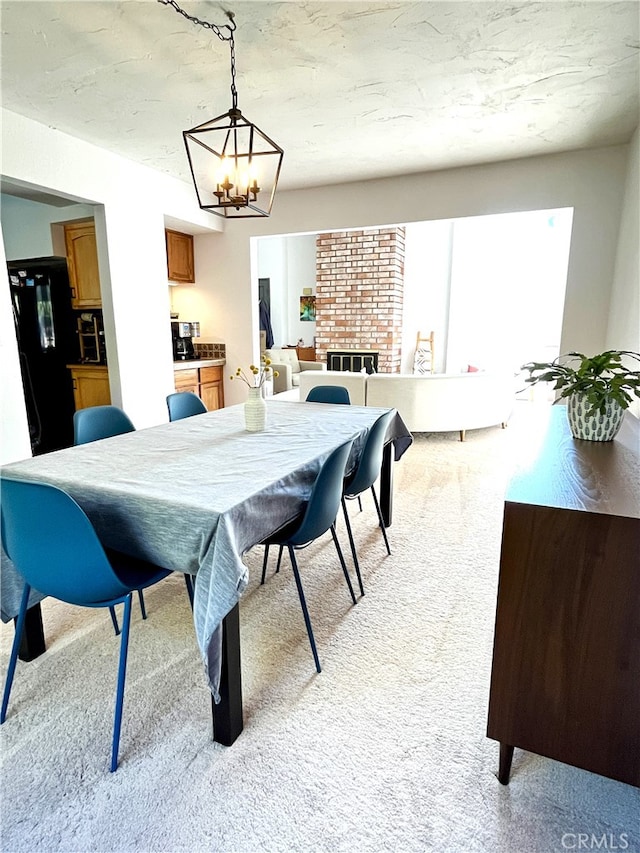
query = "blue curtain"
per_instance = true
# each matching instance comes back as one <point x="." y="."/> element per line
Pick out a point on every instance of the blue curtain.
<point x="265" y="323"/>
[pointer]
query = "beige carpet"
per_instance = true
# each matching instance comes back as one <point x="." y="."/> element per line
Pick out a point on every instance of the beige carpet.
<point x="384" y="751"/>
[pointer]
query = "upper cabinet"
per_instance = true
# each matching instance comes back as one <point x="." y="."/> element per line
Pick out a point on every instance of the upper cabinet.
<point x="180" y="265"/>
<point x="82" y="260"/>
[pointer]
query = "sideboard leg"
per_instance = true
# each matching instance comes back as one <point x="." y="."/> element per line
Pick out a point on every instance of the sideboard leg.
<point x="506" y="755"/>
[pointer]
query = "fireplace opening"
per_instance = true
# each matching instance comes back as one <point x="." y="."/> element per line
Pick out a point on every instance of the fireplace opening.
<point x="353" y="360"/>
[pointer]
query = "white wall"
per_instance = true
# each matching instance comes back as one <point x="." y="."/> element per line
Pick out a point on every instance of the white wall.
<point x="136" y="309"/>
<point x="195" y="303"/>
<point x="623" y="328"/>
<point x="14" y="429"/>
<point x="26" y="226"/>
<point x="301" y="273"/>
<point x="427" y="274"/>
<point x="508" y="283"/>
<point x="272" y="264"/>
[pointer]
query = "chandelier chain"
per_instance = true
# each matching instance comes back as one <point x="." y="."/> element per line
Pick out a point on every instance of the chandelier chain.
<point x="218" y="31"/>
<point x="234" y="91"/>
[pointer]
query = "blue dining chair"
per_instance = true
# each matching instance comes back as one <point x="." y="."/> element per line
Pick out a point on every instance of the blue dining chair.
<point x="364" y="477"/>
<point x="336" y="394"/>
<point x="93" y="424"/>
<point x="184" y="404"/>
<point x="329" y="394"/>
<point x="317" y="517"/>
<point x="54" y="546"/>
<point x="98" y="422"/>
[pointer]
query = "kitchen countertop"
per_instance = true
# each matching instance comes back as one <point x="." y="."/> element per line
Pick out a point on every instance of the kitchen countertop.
<point x="190" y="364"/>
<point x="87" y="365"/>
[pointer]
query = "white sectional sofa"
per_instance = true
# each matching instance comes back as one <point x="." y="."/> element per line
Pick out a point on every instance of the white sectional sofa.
<point x="445" y="402"/>
<point x="437" y="402"/>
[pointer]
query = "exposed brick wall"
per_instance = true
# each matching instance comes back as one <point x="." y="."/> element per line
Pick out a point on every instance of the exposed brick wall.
<point x="359" y="293"/>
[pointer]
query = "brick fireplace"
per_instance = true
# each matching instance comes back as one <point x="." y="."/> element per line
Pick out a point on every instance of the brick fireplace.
<point x="359" y="293"/>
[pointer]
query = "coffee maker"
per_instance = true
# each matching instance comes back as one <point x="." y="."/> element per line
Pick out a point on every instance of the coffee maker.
<point x="182" y="335"/>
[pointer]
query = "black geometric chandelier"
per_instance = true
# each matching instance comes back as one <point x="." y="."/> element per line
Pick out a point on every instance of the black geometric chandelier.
<point x="234" y="165"/>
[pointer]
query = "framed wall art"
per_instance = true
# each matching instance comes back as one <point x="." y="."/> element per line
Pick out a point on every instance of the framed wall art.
<point x="307" y="308"/>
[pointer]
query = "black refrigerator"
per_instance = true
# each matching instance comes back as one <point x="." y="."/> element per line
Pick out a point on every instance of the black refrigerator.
<point x="47" y="337"/>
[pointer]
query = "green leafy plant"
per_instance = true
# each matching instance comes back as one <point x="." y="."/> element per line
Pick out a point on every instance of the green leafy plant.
<point x="599" y="379"/>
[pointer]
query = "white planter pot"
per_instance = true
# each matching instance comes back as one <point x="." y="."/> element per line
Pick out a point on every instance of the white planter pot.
<point x="596" y="427"/>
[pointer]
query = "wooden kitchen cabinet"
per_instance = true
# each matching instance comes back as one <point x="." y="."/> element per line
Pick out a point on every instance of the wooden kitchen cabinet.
<point x="212" y="387"/>
<point x="206" y="382"/>
<point x="565" y="680"/>
<point x="90" y="385"/>
<point x="187" y="380"/>
<point x="180" y="265"/>
<point x="82" y="262"/>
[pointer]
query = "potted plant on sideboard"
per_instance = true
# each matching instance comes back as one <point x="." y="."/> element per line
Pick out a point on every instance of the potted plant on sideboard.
<point x="598" y="389"/>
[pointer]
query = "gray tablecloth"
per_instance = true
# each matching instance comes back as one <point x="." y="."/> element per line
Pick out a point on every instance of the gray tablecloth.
<point x="11" y="587"/>
<point x="194" y="495"/>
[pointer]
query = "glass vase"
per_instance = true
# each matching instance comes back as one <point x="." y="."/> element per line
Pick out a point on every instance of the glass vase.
<point x="255" y="411"/>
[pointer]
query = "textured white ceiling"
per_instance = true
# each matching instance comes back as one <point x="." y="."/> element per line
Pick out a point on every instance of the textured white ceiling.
<point x="350" y="90"/>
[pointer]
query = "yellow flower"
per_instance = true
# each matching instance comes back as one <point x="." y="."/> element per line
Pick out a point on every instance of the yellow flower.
<point x="258" y="375"/>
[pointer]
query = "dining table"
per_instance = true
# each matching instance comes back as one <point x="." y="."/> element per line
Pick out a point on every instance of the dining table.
<point x="195" y="495"/>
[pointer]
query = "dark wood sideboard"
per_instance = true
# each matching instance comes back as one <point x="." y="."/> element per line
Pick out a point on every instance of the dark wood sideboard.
<point x="565" y="679"/>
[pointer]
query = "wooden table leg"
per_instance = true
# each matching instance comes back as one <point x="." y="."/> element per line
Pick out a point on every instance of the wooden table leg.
<point x="227" y="715"/>
<point x="504" y="770"/>
<point x="32" y="644"/>
<point x="386" y="485"/>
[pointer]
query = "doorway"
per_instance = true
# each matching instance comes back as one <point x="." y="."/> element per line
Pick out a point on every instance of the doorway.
<point x="492" y="288"/>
